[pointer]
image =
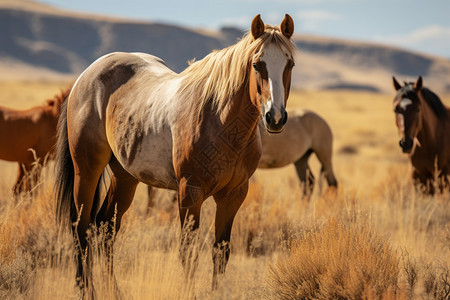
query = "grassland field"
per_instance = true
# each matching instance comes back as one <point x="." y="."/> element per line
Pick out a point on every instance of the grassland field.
<point x="375" y="199"/>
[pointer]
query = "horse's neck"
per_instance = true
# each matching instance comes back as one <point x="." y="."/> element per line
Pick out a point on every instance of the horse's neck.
<point x="237" y="119"/>
<point x="241" y="108"/>
<point x="431" y="128"/>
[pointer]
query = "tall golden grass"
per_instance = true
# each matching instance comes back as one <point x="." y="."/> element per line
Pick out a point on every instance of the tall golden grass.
<point x="375" y="238"/>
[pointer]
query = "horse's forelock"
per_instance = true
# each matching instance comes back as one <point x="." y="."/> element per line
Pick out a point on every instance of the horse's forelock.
<point x="408" y="91"/>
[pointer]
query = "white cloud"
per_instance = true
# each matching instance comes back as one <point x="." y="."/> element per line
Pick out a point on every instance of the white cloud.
<point x="432" y="39"/>
<point x="242" y="21"/>
<point x="315" y="19"/>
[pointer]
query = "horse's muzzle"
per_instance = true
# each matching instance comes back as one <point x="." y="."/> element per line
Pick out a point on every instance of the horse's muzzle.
<point x="406" y="144"/>
<point x="271" y="125"/>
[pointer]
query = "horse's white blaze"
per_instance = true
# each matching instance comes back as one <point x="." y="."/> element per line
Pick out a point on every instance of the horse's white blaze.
<point x="405" y="102"/>
<point x="275" y="60"/>
<point x="401" y="122"/>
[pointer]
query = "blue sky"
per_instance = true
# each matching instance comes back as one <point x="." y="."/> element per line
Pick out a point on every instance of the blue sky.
<point x="422" y="26"/>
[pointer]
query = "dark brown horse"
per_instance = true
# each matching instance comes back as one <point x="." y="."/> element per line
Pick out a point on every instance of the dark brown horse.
<point x="27" y="136"/>
<point x="424" y="125"/>
<point x="195" y="132"/>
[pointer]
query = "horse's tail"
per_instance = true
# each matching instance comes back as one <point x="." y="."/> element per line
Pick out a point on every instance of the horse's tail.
<point x="64" y="172"/>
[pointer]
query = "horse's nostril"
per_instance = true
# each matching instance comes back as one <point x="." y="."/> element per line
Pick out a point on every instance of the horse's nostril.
<point x="285" y="118"/>
<point x="268" y="118"/>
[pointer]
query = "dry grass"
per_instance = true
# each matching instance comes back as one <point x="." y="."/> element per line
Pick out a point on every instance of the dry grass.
<point x="375" y="238"/>
<point x="342" y="260"/>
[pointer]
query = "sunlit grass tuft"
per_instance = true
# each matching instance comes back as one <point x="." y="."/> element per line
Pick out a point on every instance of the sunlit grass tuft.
<point x="375" y="224"/>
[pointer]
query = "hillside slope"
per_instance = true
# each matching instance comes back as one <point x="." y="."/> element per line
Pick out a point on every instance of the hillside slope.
<point x="39" y="41"/>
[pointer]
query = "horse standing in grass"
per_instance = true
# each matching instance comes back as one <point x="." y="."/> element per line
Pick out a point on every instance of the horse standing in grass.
<point x="305" y="133"/>
<point x="27" y="136"/>
<point x="424" y="125"/>
<point x="195" y="132"/>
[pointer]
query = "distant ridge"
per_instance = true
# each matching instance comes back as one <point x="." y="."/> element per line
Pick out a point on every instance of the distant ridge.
<point x="39" y="41"/>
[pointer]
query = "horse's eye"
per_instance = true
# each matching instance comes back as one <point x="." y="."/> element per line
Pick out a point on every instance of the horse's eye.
<point x="397" y="110"/>
<point x="255" y="66"/>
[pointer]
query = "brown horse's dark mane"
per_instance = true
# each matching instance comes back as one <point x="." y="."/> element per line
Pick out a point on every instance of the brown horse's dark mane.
<point x="435" y="103"/>
<point x="430" y="98"/>
<point x="59" y="98"/>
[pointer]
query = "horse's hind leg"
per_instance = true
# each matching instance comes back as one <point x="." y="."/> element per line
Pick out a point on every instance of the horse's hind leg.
<point x="118" y="200"/>
<point x="119" y="197"/>
<point x="151" y="196"/>
<point x="89" y="160"/>
<point x="304" y="174"/>
<point x="324" y="154"/>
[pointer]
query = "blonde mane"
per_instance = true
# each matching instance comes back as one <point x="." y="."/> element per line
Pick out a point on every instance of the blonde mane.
<point x="219" y="75"/>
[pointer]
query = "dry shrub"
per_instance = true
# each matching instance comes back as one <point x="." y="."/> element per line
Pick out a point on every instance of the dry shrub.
<point x="340" y="261"/>
<point x="29" y="240"/>
<point x="425" y="279"/>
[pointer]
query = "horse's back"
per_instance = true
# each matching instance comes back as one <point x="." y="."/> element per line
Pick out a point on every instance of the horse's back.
<point x="122" y="101"/>
<point x="116" y="69"/>
<point x="284" y="148"/>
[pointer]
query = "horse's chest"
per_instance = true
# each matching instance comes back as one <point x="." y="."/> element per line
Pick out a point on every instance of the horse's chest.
<point x="225" y="159"/>
<point x="428" y="163"/>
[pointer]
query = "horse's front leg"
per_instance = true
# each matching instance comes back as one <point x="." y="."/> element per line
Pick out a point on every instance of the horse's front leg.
<point x="305" y="175"/>
<point x="190" y="199"/>
<point x="423" y="183"/>
<point x="227" y="207"/>
<point x="19" y="181"/>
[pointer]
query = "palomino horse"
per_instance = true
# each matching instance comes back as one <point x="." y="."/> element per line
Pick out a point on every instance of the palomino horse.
<point x="28" y="136"/>
<point x="424" y="125"/>
<point x="195" y="132"/>
<point x="305" y="133"/>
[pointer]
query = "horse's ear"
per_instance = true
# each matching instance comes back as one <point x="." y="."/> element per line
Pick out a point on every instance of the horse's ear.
<point x="287" y="26"/>
<point x="257" y="27"/>
<point x="397" y="85"/>
<point x="418" y="84"/>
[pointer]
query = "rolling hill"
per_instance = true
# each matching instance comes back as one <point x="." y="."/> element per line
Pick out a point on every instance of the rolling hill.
<point x="42" y="42"/>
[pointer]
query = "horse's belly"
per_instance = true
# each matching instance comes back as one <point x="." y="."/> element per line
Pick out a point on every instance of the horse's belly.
<point x="280" y="150"/>
<point x="151" y="161"/>
<point x="274" y="160"/>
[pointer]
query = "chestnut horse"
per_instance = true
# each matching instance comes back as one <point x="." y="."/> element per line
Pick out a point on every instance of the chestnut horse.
<point x="28" y="136"/>
<point x="305" y="133"/>
<point x="424" y="125"/>
<point x="195" y="132"/>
